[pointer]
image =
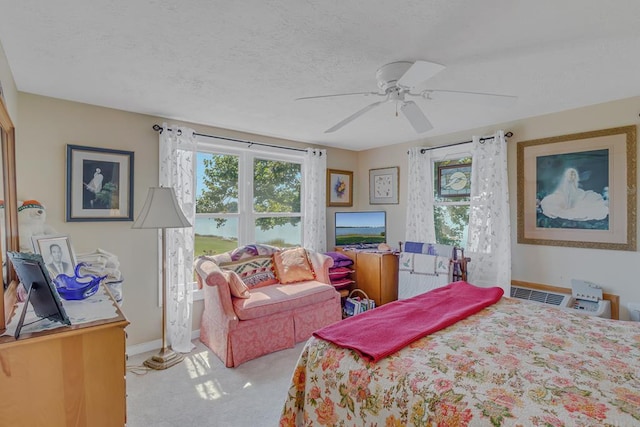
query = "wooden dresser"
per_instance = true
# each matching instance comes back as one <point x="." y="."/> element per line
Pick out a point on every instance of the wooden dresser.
<point x="376" y="273"/>
<point x="68" y="376"/>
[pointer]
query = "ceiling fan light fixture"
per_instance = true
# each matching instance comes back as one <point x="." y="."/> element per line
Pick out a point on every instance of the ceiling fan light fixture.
<point x="400" y="79"/>
<point x="416" y="117"/>
<point x="389" y="74"/>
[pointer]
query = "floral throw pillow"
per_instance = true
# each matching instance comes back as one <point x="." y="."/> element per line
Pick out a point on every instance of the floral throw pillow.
<point x="254" y="272"/>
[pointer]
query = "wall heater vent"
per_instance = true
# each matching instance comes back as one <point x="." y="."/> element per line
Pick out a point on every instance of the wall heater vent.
<point x="559" y="300"/>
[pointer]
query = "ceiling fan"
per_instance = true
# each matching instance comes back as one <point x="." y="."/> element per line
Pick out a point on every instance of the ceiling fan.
<point x="399" y="80"/>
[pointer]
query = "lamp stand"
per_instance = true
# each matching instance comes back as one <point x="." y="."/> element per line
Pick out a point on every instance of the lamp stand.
<point x="166" y="357"/>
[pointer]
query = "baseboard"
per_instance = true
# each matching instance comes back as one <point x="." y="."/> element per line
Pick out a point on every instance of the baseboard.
<point x="144" y="347"/>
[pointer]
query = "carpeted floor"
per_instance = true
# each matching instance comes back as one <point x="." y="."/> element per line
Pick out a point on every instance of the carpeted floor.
<point x="200" y="391"/>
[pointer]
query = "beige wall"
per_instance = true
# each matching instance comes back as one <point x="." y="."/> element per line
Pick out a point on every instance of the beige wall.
<point x="47" y="125"/>
<point x="616" y="271"/>
<point x="8" y="87"/>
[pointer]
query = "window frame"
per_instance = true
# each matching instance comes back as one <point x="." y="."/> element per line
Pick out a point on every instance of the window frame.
<point x="453" y="154"/>
<point x="246" y="215"/>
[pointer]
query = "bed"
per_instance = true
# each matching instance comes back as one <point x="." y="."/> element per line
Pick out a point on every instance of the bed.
<point x="513" y="363"/>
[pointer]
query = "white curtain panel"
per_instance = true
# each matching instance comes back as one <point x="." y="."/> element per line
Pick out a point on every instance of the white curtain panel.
<point x="177" y="163"/>
<point x="420" y="225"/>
<point x="489" y="244"/>
<point x="314" y="211"/>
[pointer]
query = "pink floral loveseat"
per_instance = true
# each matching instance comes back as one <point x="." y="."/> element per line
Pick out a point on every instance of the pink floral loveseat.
<point x="259" y="299"/>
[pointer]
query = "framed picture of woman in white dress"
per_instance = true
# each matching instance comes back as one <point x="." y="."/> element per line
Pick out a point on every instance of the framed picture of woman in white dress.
<point x="572" y="190"/>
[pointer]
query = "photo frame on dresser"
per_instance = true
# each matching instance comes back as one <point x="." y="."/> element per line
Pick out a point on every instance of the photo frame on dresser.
<point x="41" y="292"/>
<point x="57" y="252"/>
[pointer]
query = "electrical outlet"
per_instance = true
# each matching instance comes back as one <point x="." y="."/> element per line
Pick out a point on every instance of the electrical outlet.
<point x="634" y="311"/>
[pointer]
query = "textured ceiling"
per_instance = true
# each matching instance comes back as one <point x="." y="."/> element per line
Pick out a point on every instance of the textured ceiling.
<point x="240" y="65"/>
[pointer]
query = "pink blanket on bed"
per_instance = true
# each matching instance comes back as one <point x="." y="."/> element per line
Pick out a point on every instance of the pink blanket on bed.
<point x="385" y="330"/>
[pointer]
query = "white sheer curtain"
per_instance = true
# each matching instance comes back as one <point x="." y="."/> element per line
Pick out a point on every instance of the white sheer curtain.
<point x="177" y="163"/>
<point x="420" y="225"/>
<point x="314" y="214"/>
<point x="489" y="244"/>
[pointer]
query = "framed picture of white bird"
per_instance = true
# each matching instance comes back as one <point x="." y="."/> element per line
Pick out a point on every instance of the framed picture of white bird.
<point x="99" y="184"/>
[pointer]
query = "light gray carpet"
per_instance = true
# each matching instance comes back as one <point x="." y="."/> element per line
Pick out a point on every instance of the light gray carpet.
<point x="200" y="391"/>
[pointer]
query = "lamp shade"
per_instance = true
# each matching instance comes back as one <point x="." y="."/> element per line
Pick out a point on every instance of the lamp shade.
<point x="161" y="210"/>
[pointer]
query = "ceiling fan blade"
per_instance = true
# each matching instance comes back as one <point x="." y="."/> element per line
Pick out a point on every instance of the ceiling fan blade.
<point x="354" y="116"/>
<point x="489" y="99"/>
<point x="416" y="117"/>
<point x="340" y="94"/>
<point x="419" y="72"/>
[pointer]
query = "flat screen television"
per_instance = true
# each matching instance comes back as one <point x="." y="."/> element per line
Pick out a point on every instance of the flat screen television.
<point x="361" y="229"/>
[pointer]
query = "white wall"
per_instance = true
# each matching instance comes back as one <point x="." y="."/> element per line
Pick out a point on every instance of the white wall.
<point x="616" y="271"/>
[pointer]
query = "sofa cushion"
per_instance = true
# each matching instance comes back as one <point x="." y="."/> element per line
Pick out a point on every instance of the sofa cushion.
<point x="336" y="273"/>
<point x="292" y="266"/>
<point x="248" y="251"/>
<point x="340" y="259"/>
<point x="254" y="272"/>
<point x="243" y="252"/>
<point x="277" y="298"/>
<point x="236" y="286"/>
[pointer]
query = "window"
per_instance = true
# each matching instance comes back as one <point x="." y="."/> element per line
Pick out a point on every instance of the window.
<point x="451" y="185"/>
<point x="246" y="196"/>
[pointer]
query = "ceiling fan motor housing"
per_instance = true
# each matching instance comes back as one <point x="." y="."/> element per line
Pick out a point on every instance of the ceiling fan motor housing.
<point x="389" y="74"/>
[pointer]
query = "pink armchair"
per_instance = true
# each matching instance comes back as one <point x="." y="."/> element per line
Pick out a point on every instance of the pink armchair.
<point x="269" y="317"/>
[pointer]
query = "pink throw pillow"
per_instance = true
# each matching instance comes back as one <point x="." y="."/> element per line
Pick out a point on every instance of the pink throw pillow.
<point x="292" y="266"/>
<point x="339" y="273"/>
<point x="236" y="285"/>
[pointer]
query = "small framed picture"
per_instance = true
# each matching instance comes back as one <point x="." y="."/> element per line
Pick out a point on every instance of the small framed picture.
<point x="383" y="186"/>
<point x="56" y="252"/>
<point x="454" y="180"/>
<point x="339" y="188"/>
<point x="99" y="184"/>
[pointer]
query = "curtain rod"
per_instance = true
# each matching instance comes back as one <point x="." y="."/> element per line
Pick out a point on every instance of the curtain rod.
<point x="482" y="140"/>
<point x="158" y="128"/>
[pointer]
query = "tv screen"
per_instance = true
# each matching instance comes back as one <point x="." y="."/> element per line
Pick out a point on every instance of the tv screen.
<point x="361" y="228"/>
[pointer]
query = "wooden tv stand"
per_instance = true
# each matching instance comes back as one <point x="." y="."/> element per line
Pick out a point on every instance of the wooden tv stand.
<point x="376" y="273"/>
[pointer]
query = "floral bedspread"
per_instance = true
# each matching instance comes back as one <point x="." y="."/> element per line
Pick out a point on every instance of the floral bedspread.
<point x="512" y="364"/>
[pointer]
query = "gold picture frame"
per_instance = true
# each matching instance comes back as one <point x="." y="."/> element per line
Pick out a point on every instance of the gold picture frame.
<point x="579" y="190"/>
<point x="339" y="188"/>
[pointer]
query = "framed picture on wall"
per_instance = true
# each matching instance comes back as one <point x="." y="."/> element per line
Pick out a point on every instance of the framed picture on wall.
<point x="573" y="190"/>
<point x="339" y="188"/>
<point x="99" y="184"/>
<point x="383" y="186"/>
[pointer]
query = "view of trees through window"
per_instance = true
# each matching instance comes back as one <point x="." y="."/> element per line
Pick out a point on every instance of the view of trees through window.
<point x="246" y="198"/>
<point x="450" y="213"/>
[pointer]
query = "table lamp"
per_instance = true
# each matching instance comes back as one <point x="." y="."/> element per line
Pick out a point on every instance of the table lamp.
<point x="161" y="211"/>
